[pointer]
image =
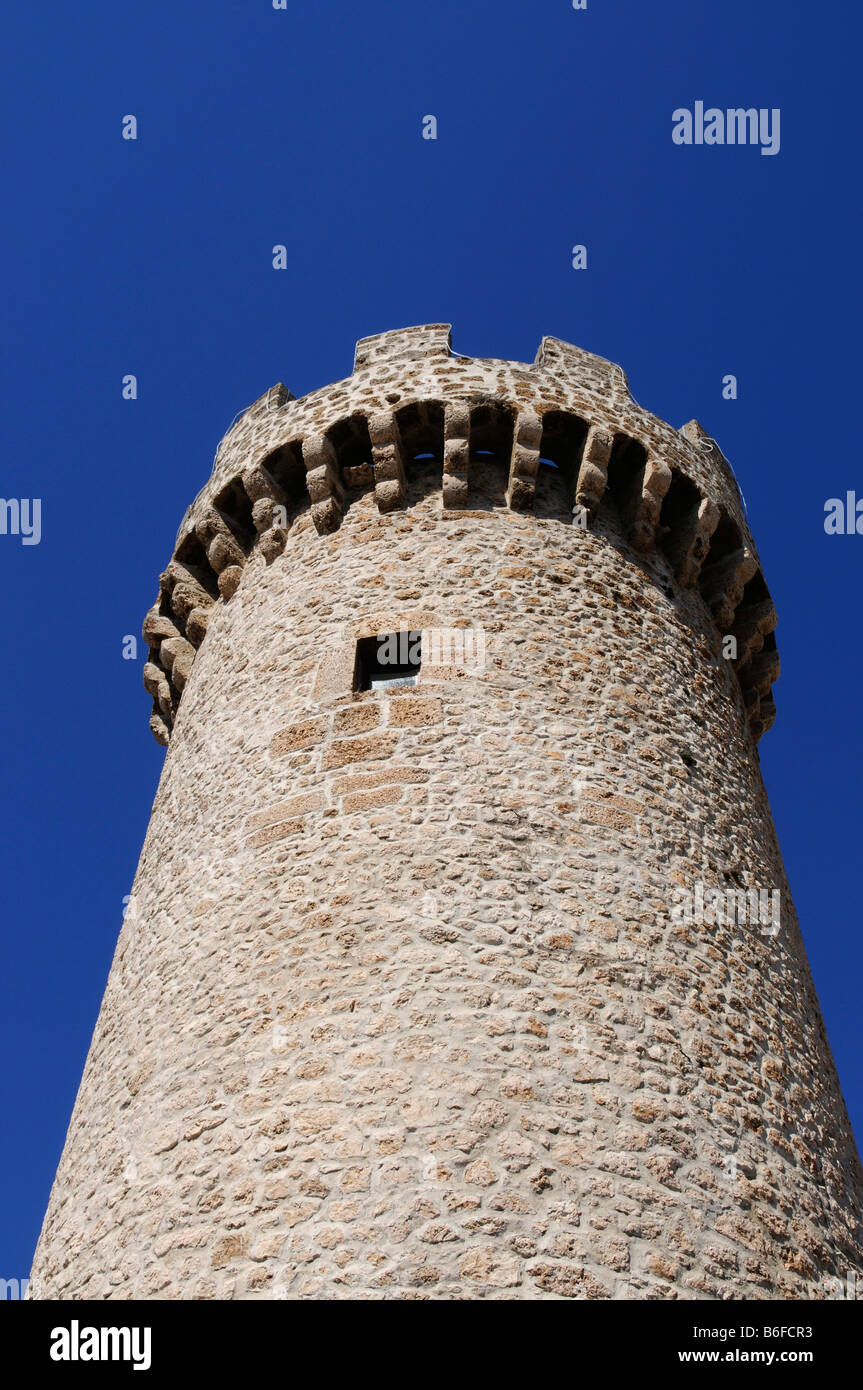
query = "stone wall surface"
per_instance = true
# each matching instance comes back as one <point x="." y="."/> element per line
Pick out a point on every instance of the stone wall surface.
<point x="402" y="1006"/>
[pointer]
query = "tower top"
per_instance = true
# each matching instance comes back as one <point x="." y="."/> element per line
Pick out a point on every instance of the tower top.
<point x="410" y="399"/>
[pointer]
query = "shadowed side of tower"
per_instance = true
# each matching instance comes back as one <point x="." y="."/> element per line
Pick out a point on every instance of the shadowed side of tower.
<point x="405" y="1004"/>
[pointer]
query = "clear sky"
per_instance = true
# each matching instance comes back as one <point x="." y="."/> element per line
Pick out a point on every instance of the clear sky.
<point x="303" y="126"/>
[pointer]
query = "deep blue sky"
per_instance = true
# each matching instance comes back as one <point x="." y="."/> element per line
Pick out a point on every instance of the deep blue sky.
<point x="303" y="127"/>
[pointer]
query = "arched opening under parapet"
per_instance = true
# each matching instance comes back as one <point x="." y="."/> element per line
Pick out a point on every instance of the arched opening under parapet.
<point x="191" y="554"/>
<point x="353" y="449"/>
<point x="679" y="506"/>
<point x="560" y="450"/>
<point x="725" y="542"/>
<point x="234" y="506"/>
<point x="420" y="428"/>
<point x="754" y="620"/>
<point x="756" y="592"/>
<point x="625" y="475"/>
<point x="756" y="679"/>
<point x="551" y="499"/>
<point x="491" y="436"/>
<point x="286" y="467"/>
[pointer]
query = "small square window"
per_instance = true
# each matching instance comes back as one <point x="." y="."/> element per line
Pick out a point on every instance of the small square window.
<point x="388" y="659"/>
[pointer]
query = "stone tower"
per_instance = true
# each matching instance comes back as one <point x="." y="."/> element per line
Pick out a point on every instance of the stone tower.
<point x="415" y="996"/>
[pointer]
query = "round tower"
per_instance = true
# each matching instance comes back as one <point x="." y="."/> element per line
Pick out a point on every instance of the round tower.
<point x="460" y="961"/>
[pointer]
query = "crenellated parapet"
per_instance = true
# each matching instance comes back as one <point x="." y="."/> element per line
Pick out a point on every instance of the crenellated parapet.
<point x="411" y="404"/>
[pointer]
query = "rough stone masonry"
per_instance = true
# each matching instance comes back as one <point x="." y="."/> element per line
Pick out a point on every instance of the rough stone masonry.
<point x="399" y="1008"/>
